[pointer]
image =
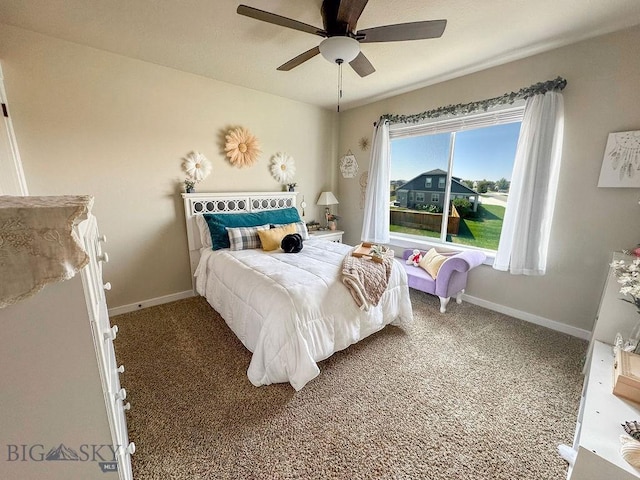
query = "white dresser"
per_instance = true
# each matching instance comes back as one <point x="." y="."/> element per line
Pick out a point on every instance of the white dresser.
<point x="598" y="428"/>
<point x="62" y="409"/>
<point x="614" y="315"/>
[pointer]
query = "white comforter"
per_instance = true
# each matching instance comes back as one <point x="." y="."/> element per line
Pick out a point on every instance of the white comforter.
<point x="291" y="309"/>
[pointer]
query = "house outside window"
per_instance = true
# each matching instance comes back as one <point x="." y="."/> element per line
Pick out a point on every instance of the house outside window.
<point x="419" y="196"/>
<point x="471" y="159"/>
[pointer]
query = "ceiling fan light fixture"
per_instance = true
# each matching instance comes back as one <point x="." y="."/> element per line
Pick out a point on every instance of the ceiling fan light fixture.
<point x="339" y="48"/>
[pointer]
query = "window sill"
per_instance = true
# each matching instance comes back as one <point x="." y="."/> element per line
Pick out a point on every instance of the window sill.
<point x="410" y="241"/>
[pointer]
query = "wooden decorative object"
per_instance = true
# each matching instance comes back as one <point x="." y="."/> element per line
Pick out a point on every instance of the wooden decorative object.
<point x="364" y="250"/>
<point x="626" y="375"/>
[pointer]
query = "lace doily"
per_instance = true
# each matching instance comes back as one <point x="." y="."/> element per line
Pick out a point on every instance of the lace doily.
<point x="37" y="243"/>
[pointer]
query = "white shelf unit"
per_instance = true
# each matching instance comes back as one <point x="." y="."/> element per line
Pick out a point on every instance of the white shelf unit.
<point x="599" y="424"/>
<point x="601" y="414"/>
<point x="614" y="315"/>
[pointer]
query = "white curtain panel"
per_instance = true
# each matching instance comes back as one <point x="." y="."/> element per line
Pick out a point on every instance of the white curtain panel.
<point x="375" y="225"/>
<point x="524" y="241"/>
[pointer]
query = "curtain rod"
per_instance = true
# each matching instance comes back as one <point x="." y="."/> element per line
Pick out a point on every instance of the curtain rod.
<point x="540" y="88"/>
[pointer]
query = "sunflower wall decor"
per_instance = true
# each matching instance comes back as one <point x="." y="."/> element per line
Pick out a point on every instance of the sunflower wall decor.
<point x="197" y="168"/>
<point x="242" y="147"/>
<point x="283" y="168"/>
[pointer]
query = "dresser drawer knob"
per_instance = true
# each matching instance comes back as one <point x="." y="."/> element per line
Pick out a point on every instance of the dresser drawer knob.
<point x="126" y="406"/>
<point x="102" y="238"/>
<point x="103" y="257"/>
<point x="121" y="395"/>
<point x="120" y="369"/>
<point x="107" y="286"/>
<point x="111" y="333"/>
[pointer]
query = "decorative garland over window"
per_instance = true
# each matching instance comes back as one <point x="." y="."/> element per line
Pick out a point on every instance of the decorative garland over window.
<point x="463" y="109"/>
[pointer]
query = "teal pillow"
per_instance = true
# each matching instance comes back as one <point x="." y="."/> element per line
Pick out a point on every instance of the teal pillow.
<point x="218" y="222"/>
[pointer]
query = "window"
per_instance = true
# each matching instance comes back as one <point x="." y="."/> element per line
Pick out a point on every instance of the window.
<point x="419" y="196"/>
<point x="472" y="157"/>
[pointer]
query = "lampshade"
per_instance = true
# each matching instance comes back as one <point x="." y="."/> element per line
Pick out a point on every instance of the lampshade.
<point x="327" y="198"/>
<point x="339" y="48"/>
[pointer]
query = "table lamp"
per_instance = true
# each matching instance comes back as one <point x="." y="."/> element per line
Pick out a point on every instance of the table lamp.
<point x="325" y="199"/>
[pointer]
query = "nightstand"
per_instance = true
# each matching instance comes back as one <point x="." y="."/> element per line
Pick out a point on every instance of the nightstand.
<point x="331" y="235"/>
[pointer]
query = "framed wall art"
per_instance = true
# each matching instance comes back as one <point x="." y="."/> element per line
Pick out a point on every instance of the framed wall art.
<point x="621" y="162"/>
<point x="349" y="165"/>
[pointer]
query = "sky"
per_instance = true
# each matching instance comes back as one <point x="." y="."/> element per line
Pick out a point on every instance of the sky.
<point x="480" y="154"/>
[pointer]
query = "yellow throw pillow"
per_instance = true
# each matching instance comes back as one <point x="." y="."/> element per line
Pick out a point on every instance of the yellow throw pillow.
<point x="431" y="262"/>
<point x="272" y="238"/>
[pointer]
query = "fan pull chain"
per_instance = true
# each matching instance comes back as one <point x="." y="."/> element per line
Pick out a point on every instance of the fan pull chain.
<point x="339" y="62"/>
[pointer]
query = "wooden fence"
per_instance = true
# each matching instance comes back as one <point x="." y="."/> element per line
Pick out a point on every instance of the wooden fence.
<point x="425" y="220"/>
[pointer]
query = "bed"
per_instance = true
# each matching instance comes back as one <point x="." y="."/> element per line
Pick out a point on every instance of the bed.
<point x="290" y="310"/>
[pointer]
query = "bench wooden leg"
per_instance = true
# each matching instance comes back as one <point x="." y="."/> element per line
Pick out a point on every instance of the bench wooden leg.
<point x="443" y="304"/>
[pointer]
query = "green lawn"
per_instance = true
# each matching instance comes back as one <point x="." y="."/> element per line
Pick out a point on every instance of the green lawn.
<point x="482" y="232"/>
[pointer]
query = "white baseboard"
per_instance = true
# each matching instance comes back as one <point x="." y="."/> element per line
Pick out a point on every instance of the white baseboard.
<point x="150" y="302"/>
<point x="529" y="317"/>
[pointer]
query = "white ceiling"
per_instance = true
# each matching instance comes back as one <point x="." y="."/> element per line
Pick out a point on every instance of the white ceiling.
<point x="208" y="38"/>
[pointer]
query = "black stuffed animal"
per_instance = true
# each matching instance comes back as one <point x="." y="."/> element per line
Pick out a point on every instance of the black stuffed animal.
<point x="291" y="243"/>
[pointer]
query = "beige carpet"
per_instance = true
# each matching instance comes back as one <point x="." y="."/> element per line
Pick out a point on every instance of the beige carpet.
<point x="471" y="394"/>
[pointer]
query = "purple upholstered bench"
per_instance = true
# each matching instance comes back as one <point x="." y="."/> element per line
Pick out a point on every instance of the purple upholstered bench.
<point x="451" y="279"/>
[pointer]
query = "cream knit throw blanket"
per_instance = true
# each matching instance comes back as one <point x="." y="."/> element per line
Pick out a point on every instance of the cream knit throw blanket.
<point x="365" y="279"/>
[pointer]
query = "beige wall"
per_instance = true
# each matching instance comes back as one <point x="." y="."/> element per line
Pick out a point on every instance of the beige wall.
<point x="92" y="122"/>
<point x="602" y="96"/>
<point x="88" y="121"/>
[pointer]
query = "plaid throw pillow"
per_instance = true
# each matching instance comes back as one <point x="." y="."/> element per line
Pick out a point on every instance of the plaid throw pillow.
<point x="244" y="238"/>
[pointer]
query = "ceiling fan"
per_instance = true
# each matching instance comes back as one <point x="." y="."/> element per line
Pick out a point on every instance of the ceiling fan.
<point x="342" y="40"/>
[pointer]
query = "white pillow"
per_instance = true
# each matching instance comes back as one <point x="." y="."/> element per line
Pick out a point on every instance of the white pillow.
<point x="432" y="262"/>
<point x="205" y="233"/>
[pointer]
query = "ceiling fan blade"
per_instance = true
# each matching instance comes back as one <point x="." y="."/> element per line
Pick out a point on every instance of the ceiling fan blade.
<point x="303" y="57"/>
<point x="362" y="65"/>
<point x="403" y="31"/>
<point x="350" y="11"/>
<point x="279" y="20"/>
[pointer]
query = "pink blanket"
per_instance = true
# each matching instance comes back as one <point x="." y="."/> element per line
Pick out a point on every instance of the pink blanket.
<point x="365" y="279"/>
